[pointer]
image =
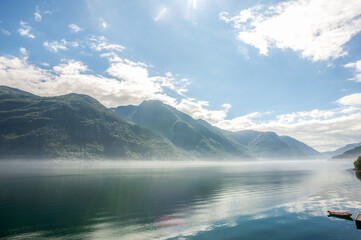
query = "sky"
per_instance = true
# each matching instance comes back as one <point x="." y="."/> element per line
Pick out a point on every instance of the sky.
<point x="292" y="67"/>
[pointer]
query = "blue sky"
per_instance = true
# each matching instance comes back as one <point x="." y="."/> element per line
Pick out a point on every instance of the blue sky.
<point x="285" y="66"/>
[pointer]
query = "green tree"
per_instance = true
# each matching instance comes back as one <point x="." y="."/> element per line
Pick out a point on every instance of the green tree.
<point x="357" y="163"/>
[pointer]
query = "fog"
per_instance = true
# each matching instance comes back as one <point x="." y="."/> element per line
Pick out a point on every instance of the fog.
<point x="9" y="167"/>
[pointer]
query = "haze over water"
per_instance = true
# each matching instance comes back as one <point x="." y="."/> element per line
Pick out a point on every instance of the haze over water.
<point x="273" y="200"/>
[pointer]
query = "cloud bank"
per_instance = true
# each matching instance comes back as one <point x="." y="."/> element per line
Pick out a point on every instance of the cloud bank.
<point x="125" y="82"/>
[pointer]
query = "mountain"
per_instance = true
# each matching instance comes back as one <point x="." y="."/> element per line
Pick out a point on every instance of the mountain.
<point x="194" y="137"/>
<point x="71" y="126"/>
<point x="198" y="136"/>
<point x="349" y="154"/>
<point x="270" y="145"/>
<point x="78" y="126"/>
<point x="341" y="150"/>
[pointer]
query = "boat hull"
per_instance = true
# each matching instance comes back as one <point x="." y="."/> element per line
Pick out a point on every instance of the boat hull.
<point x="340" y="214"/>
<point x="358" y="221"/>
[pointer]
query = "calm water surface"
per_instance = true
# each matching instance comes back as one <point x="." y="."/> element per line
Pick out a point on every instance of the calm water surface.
<point x="274" y="200"/>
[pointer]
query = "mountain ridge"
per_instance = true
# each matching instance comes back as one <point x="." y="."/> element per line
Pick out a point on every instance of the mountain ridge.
<point x="152" y="115"/>
<point x="341" y="150"/>
<point x="181" y="129"/>
<point x="349" y="154"/>
<point x="71" y="126"/>
<point x="79" y="126"/>
<point x="271" y="145"/>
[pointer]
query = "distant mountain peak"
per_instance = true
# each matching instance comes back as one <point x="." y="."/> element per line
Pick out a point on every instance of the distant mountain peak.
<point x="340" y="151"/>
<point x="196" y="137"/>
<point x="271" y="145"/>
<point x="352" y="153"/>
<point x="145" y="102"/>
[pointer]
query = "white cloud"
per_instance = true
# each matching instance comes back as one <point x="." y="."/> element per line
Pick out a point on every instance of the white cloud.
<point x="318" y="29"/>
<point x="184" y="82"/>
<point x="351" y="100"/>
<point x="70" y="68"/>
<point x="100" y="43"/>
<point x="238" y="123"/>
<point x="5" y="32"/>
<point x="18" y="73"/>
<point x="137" y="74"/>
<point x="141" y="86"/>
<point x="103" y="24"/>
<point x="37" y="14"/>
<point x="356" y="67"/>
<point x="160" y="15"/>
<point x="75" y="28"/>
<point x="24" y="30"/>
<point x="24" y="52"/>
<point x="55" y="46"/>
<point x="197" y="110"/>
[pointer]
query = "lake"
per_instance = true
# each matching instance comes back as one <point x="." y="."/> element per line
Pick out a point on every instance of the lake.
<point x="132" y="200"/>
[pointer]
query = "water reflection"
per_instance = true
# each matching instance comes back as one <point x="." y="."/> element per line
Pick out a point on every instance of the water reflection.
<point x="358" y="222"/>
<point x="162" y="203"/>
<point x="342" y="218"/>
<point x="78" y="204"/>
<point x="358" y="175"/>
